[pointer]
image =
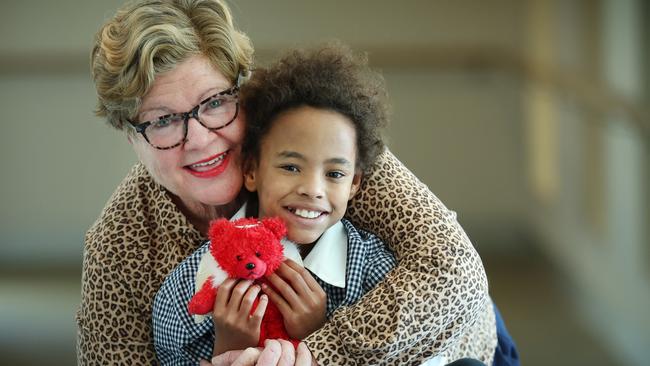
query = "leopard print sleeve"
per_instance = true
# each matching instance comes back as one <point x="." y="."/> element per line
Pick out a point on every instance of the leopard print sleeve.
<point x="111" y="327"/>
<point x="436" y="300"/>
<point x="138" y="239"/>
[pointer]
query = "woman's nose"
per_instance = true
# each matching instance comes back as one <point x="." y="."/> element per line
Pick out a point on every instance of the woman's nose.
<point x="197" y="135"/>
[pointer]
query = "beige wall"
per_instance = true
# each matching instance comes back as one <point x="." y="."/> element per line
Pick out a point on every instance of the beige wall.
<point x="62" y="162"/>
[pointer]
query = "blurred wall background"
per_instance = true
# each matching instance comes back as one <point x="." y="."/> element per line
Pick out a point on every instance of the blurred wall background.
<point x="529" y="118"/>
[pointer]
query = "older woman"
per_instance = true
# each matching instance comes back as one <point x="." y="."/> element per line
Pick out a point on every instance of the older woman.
<point x="167" y="72"/>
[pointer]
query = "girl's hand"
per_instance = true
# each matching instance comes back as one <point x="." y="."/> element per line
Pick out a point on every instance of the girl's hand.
<point x="235" y="327"/>
<point x="300" y="299"/>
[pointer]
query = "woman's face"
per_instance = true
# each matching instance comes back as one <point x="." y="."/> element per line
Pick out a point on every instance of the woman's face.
<point x="206" y="169"/>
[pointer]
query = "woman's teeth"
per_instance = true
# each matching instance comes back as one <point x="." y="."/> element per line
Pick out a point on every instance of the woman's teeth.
<point x="306" y="213"/>
<point x="208" y="163"/>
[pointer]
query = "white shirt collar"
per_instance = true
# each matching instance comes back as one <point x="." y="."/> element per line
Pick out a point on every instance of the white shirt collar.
<point x="240" y="214"/>
<point x="328" y="257"/>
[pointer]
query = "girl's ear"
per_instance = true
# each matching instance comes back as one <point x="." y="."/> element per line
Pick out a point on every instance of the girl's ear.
<point x="250" y="181"/>
<point x="356" y="183"/>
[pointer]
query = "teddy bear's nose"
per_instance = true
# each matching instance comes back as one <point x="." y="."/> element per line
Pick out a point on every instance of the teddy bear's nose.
<point x="250" y="266"/>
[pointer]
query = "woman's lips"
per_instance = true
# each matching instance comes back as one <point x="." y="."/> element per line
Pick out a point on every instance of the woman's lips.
<point x="210" y="167"/>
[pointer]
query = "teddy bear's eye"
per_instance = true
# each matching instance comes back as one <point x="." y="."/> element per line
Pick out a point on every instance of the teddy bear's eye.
<point x="258" y="254"/>
<point x="238" y="258"/>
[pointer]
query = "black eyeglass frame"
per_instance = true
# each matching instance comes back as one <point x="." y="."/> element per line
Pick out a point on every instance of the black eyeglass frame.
<point x="193" y="113"/>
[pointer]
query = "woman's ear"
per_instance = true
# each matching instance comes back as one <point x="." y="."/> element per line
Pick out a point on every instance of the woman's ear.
<point x="356" y="183"/>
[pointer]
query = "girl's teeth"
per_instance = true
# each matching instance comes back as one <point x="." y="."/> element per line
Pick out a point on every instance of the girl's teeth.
<point x="307" y="214"/>
<point x="213" y="161"/>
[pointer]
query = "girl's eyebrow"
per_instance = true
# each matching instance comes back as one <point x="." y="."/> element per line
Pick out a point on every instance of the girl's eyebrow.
<point x="299" y="156"/>
<point x="291" y="154"/>
<point x="340" y="161"/>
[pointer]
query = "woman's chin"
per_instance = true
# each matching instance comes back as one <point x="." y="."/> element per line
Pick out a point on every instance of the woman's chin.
<point x="222" y="199"/>
<point x="200" y="201"/>
<point x="218" y="192"/>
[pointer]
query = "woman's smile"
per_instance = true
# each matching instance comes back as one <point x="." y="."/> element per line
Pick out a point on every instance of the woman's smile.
<point x="210" y="167"/>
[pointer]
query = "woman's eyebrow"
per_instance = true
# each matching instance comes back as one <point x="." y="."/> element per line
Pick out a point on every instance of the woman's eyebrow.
<point x="158" y="110"/>
<point x="212" y="91"/>
<point x="165" y="109"/>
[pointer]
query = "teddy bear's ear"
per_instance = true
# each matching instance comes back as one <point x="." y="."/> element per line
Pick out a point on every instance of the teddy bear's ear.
<point x="218" y="228"/>
<point x="276" y="226"/>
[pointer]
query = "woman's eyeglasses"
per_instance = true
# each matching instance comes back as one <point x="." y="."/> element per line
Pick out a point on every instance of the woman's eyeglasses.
<point x="214" y="113"/>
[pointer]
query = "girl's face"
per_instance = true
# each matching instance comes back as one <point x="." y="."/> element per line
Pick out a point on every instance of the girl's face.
<point x="306" y="171"/>
<point x="206" y="169"/>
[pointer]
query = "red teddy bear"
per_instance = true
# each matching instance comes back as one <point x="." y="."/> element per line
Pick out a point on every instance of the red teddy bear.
<point x="245" y="248"/>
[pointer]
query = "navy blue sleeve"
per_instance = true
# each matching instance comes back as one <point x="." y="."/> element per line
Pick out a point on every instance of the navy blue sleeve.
<point x="379" y="261"/>
<point x="177" y="339"/>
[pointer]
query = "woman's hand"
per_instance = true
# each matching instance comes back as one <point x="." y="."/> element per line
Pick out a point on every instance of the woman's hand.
<point x="276" y="352"/>
<point x="235" y="326"/>
<point x="300" y="299"/>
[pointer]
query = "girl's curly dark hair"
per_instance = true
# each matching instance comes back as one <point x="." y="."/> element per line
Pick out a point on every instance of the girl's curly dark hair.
<point x="331" y="77"/>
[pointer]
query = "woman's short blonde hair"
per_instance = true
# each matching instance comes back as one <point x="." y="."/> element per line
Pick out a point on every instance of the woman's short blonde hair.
<point x="149" y="37"/>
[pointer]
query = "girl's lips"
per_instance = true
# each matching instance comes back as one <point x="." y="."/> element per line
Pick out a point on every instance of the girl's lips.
<point x="314" y="218"/>
<point x="306" y="213"/>
<point x="210" y="167"/>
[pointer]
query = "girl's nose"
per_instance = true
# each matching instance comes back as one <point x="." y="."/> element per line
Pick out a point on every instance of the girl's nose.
<point x="312" y="186"/>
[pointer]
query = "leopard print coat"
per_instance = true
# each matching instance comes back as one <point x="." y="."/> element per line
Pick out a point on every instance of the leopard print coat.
<point x="435" y="302"/>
